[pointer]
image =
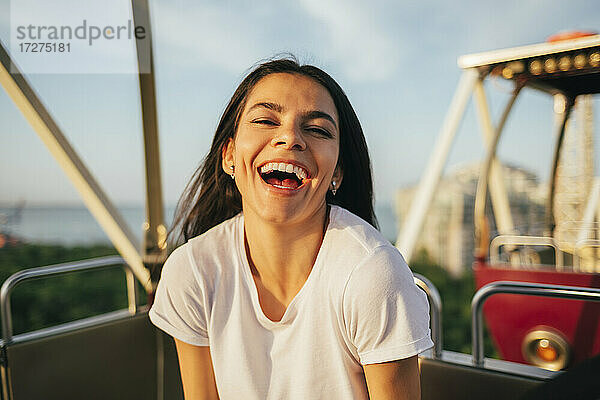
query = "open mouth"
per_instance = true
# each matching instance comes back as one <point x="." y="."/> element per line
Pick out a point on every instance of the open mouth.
<point x="283" y="175"/>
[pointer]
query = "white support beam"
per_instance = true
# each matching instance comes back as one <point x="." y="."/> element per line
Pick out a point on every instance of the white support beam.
<point x="411" y="228"/>
<point x="109" y="218"/>
<point x="498" y="196"/>
<point x="155" y="231"/>
<point x="587" y="227"/>
<point x="586" y="246"/>
<point x="481" y="226"/>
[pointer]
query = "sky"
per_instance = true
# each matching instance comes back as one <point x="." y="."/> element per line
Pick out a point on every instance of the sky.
<point x="396" y="60"/>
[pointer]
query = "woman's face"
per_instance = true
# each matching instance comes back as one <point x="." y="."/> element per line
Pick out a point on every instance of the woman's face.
<point x="285" y="150"/>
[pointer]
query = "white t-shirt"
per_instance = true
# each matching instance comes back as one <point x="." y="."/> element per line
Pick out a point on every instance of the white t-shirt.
<point x="358" y="306"/>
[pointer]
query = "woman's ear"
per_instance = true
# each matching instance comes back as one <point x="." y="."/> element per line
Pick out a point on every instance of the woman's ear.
<point x="227" y="156"/>
<point x="338" y="176"/>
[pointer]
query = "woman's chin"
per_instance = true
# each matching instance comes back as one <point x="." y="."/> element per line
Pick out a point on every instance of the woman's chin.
<point x="286" y="213"/>
<point x="280" y="214"/>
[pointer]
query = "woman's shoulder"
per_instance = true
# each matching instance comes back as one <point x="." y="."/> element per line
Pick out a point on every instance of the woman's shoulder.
<point x="353" y="245"/>
<point x="201" y="257"/>
<point x="225" y="231"/>
<point x="350" y="231"/>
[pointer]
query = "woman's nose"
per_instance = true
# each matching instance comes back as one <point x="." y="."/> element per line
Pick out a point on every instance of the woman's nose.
<point x="289" y="137"/>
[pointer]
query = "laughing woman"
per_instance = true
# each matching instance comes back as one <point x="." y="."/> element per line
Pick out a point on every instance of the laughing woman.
<point x="284" y="289"/>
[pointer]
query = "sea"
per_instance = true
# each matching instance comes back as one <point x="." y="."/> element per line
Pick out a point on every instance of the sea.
<point x="70" y="225"/>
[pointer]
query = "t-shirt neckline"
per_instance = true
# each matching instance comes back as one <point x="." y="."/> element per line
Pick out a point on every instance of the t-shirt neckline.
<point x="290" y="311"/>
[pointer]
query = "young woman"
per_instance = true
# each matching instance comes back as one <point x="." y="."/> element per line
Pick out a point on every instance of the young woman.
<point x="284" y="289"/>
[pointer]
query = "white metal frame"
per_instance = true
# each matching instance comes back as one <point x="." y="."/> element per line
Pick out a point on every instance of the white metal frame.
<point x="535" y="50"/>
<point x="499" y="197"/>
<point x="476" y="67"/>
<point x="408" y="235"/>
<point x="95" y="199"/>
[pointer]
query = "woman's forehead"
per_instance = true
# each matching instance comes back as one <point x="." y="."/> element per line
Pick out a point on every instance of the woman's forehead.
<point x="287" y="90"/>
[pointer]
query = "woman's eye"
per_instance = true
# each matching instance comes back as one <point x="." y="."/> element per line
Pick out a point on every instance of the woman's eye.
<point x="319" y="131"/>
<point x="264" y="122"/>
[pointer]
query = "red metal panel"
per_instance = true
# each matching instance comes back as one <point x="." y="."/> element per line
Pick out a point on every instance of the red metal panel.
<point x="511" y="317"/>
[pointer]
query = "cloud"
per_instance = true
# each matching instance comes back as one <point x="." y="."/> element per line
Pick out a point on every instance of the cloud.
<point x="349" y="35"/>
<point x="477" y="26"/>
<point x="206" y="35"/>
<point x="356" y="39"/>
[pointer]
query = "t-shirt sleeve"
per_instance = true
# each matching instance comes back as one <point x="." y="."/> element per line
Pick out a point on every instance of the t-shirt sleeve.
<point x="179" y="306"/>
<point x="386" y="315"/>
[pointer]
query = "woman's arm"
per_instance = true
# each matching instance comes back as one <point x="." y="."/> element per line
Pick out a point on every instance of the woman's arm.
<point x="197" y="374"/>
<point x="394" y="380"/>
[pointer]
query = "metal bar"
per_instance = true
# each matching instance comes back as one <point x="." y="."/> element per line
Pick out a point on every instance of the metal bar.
<point x="587" y="224"/>
<point x="435" y="304"/>
<point x="498" y="195"/>
<point x="481" y="240"/>
<point x="510" y="367"/>
<point x="530" y="51"/>
<point x="71" y="326"/>
<point x="107" y="215"/>
<point x="578" y="255"/>
<point x="411" y="228"/>
<point x="51" y="270"/>
<point x="155" y="232"/>
<point x="530" y="289"/>
<point x="7" y="393"/>
<point x="504" y="240"/>
<point x="160" y="364"/>
<point x="132" y="291"/>
<point x="569" y="103"/>
<point x="154" y="242"/>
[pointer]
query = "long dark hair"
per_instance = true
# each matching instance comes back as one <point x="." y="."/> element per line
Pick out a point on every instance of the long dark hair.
<point x="211" y="196"/>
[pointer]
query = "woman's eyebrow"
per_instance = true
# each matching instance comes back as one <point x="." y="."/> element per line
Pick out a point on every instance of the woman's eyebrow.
<point x="319" y="114"/>
<point x="268" y="105"/>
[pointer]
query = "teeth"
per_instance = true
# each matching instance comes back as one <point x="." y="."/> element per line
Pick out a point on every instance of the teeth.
<point x="299" y="172"/>
<point x="266" y="168"/>
<point x="284" y="167"/>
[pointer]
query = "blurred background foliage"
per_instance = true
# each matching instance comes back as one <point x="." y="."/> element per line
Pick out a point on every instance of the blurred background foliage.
<point x="49" y="301"/>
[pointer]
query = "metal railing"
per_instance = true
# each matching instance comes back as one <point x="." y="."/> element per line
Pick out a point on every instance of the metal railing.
<point x="435" y="305"/>
<point x="515" y="240"/>
<point x="524" y="288"/>
<point x="59" y="269"/>
<point x="586" y="261"/>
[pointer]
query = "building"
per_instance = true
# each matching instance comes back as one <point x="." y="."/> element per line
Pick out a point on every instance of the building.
<point x="448" y="235"/>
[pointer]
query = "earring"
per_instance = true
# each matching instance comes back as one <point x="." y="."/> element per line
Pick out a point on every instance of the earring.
<point x="333" y="188"/>
<point x="232" y="168"/>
